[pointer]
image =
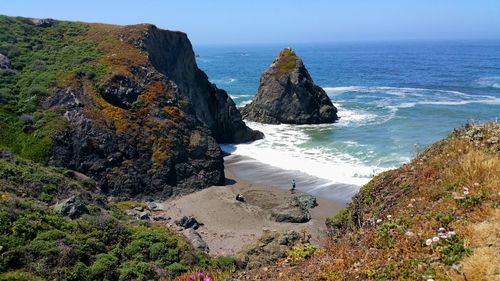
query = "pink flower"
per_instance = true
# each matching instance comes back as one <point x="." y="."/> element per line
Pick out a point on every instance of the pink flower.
<point x="208" y="278"/>
<point x="199" y="274"/>
<point x="191" y="277"/>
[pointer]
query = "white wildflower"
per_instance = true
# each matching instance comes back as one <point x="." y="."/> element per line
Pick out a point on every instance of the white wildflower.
<point x="435" y="239"/>
<point x="389" y="216"/>
<point x="410" y="205"/>
<point x="441" y="229"/>
<point x="451" y="233"/>
<point x="443" y="235"/>
<point x="379" y="220"/>
<point x="428" y="242"/>
<point x="430" y="279"/>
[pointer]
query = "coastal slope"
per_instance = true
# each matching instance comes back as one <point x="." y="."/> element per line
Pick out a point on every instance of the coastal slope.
<point x="435" y="218"/>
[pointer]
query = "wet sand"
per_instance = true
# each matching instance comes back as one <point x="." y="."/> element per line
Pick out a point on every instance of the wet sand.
<point x="230" y="224"/>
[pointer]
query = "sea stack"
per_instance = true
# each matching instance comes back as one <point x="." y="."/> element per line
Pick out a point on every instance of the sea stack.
<point x="287" y="94"/>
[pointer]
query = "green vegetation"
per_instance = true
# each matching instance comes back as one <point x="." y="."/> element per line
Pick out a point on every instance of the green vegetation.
<point x="300" y="253"/>
<point x="287" y="61"/>
<point x="38" y="244"/>
<point x="43" y="58"/>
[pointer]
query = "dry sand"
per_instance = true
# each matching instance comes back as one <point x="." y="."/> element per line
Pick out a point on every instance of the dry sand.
<point x="230" y="224"/>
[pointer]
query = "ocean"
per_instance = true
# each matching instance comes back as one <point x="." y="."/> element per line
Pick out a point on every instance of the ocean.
<point x="393" y="99"/>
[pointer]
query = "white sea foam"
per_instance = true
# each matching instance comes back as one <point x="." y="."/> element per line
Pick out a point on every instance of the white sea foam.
<point x="283" y="147"/>
<point x="411" y="97"/>
<point x="491" y="81"/>
<point x="224" y="81"/>
<point x="349" y="117"/>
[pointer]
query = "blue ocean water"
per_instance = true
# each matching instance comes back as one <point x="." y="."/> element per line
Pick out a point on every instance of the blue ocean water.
<point x="394" y="98"/>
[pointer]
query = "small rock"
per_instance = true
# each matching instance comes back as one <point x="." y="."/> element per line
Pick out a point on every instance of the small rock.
<point x="307" y="201"/>
<point x="161" y="218"/>
<point x="71" y="207"/>
<point x="138" y="208"/>
<point x="196" y="240"/>
<point x="457" y="266"/>
<point x="143" y="215"/>
<point x="152" y="206"/>
<point x="5" y="62"/>
<point x="188" y="222"/>
<point x="43" y="22"/>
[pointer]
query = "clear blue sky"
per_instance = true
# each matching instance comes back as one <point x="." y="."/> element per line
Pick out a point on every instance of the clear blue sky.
<point x="277" y="21"/>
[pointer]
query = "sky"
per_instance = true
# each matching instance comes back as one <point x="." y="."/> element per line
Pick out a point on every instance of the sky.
<point x="223" y="22"/>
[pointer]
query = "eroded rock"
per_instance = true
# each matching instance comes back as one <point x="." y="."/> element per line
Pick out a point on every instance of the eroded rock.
<point x="287" y="94"/>
<point x="269" y="248"/>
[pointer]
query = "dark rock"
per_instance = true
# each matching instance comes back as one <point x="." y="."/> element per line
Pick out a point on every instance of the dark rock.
<point x="71" y="207"/>
<point x="121" y="91"/>
<point x="287" y="94"/>
<point x="291" y="211"/>
<point x="144" y="215"/>
<point x="161" y="218"/>
<point x="195" y="238"/>
<point x="171" y="54"/>
<point x="149" y="155"/>
<point x="7" y="155"/>
<point x="269" y="248"/>
<point x="188" y="222"/>
<point x="43" y="22"/>
<point x="307" y="201"/>
<point x="5" y="62"/>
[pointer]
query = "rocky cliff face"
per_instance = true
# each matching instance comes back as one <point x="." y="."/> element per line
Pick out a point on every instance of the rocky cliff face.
<point x="126" y="106"/>
<point x="287" y="94"/>
<point x="171" y="54"/>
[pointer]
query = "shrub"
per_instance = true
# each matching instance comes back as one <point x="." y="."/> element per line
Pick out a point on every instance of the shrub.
<point x="136" y="270"/>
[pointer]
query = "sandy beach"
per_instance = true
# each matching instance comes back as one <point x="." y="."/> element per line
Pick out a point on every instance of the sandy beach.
<point x="230" y="224"/>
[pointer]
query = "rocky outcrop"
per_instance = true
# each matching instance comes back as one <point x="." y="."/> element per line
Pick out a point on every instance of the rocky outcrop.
<point x="295" y="209"/>
<point x="133" y="112"/>
<point x="287" y="94"/>
<point x="5" y="62"/>
<point x="268" y="249"/>
<point x="292" y="210"/>
<point x="171" y="54"/>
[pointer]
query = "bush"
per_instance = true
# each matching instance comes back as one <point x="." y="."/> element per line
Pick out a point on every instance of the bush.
<point x="176" y="269"/>
<point x="136" y="270"/>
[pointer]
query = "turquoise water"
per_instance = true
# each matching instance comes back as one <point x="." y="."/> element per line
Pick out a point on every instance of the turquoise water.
<point x="393" y="100"/>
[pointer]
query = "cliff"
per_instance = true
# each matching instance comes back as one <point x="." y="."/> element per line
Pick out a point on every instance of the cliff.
<point x="435" y="218"/>
<point x="287" y="94"/>
<point x="125" y="105"/>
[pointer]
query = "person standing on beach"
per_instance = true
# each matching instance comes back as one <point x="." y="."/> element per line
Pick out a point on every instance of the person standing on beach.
<point x="293" y="186"/>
